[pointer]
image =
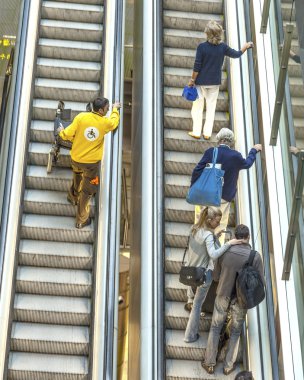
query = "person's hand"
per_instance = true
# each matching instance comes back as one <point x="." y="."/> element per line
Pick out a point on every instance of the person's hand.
<point x="294" y="150"/>
<point x="258" y="147"/>
<point x="117" y="105"/>
<point x="219" y="233"/>
<point x="191" y="83"/>
<point x="235" y="241"/>
<point x="249" y="45"/>
<point x="59" y="129"/>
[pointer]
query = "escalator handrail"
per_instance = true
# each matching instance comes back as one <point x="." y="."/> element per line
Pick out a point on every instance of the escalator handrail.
<point x="5" y="93"/>
<point x="107" y="242"/>
<point x="290" y="122"/>
<point x="262" y="206"/>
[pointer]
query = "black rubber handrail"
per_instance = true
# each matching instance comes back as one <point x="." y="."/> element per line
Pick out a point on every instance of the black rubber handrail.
<point x="262" y="207"/>
<point x="5" y="93"/>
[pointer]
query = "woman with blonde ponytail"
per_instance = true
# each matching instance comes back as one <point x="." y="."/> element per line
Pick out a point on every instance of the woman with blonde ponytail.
<point x="203" y="249"/>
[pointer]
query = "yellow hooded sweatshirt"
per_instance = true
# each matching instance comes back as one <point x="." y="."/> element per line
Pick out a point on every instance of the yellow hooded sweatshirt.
<point x="87" y="133"/>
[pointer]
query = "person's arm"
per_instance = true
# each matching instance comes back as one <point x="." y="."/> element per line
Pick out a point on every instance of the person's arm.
<point x="237" y="53"/>
<point x="213" y="252"/>
<point x="197" y="171"/>
<point x="197" y="65"/>
<point x="69" y="132"/>
<point x="113" y="120"/>
<point x="294" y="150"/>
<point x="246" y="163"/>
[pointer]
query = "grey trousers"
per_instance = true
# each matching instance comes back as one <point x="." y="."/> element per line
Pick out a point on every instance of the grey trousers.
<point x="238" y="315"/>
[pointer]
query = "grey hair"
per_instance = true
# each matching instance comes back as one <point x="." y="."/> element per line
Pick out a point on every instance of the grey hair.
<point x="214" y="32"/>
<point x="226" y="135"/>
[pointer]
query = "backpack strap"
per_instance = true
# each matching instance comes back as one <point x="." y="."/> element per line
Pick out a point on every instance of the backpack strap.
<point x="186" y="249"/>
<point x="251" y="257"/>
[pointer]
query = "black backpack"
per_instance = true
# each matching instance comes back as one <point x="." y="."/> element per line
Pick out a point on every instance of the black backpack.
<point x="249" y="285"/>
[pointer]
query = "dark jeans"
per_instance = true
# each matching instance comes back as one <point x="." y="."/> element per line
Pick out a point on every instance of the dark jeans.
<point x="238" y="315"/>
<point x="84" y="187"/>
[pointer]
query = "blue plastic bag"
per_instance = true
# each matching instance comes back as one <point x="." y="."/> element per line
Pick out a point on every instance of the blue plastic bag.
<point x="207" y="190"/>
<point x="190" y="93"/>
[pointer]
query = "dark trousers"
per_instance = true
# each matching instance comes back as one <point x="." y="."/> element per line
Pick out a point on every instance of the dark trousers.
<point x="84" y="187"/>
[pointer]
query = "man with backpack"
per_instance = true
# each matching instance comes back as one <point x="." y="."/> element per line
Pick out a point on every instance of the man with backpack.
<point x="232" y="272"/>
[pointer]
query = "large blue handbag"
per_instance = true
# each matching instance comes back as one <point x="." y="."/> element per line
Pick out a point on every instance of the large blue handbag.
<point x="207" y="189"/>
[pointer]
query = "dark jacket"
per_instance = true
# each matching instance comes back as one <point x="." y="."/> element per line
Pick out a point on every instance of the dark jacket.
<point x="209" y="61"/>
<point x="227" y="266"/>
<point x="232" y="162"/>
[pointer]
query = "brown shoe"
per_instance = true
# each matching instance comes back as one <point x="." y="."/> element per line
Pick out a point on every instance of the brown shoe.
<point x="193" y="135"/>
<point x="228" y="371"/>
<point x="188" y="306"/>
<point x="71" y="200"/>
<point x="206" y="137"/>
<point x="208" y="368"/>
<point x="86" y="223"/>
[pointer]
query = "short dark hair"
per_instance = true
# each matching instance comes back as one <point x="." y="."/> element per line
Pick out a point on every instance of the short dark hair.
<point x="100" y="103"/>
<point x="241" y="232"/>
<point x="244" y="375"/>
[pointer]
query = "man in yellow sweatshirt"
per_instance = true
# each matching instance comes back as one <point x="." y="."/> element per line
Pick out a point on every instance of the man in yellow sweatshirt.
<point x="87" y="133"/>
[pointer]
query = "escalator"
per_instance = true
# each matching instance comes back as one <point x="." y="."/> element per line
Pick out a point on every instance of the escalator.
<point x="295" y="76"/>
<point x="184" y="23"/>
<point x="52" y="307"/>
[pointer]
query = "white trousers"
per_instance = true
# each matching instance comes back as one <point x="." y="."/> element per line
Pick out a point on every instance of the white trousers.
<point x="210" y="93"/>
<point x="225" y="208"/>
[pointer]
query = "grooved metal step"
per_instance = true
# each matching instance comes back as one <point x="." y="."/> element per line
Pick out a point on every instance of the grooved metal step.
<point x="52" y="309"/>
<point x="189" y="20"/>
<point x="192" y="370"/>
<point x="69" y="49"/>
<point x="37" y="178"/>
<point x="55" y="89"/>
<point x="55" y="254"/>
<point x="46" y="202"/>
<point x="178" y="210"/>
<point x="179" y="140"/>
<point x="38" y="155"/>
<point x="31" y="366"/>
<point x="45" y="109"/>
<point x="55" y="228"/>
<point x="177" y="317"/>
<point x="76" y="12"/>
<point x="173" y="99"/>
<point x="209" y="6"/>
<point x="69" y="30"/>
<point x="177" y="76"/>
<point x="54" y="281"/>
<point x="50" y="339"/>
<point x="177" y="185"/>
<point x="68" y="70"/>
<point x="176" y="348"/>
<point x="177" y="118"/>
<point x="180" y="162"/>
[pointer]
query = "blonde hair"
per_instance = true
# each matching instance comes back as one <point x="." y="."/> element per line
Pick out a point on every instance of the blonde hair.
<point x="209" y="212"/>
<point x="214" y="32"/>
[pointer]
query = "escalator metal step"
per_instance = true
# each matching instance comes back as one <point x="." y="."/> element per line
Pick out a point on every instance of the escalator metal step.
<point x="68" y="30"/>
<point x="68" y="70"/>
<point x="76" y="12"/>
<point x="211" y="6"/>
<point x="55" y="228"/>
<point x="54" y="281"/>
<point x="31" y="366"/>
<point x="52" y="254"/>
<point x="50" y="339"/>
<point x="192" y="370"/>
<point x="189" y="20"/>
<point x="37" y="178"/>
<point x="69" y="49"/>
<point x="178" y="140"/>
<point x="52" y="309"/>
<point x="45" y="109"/>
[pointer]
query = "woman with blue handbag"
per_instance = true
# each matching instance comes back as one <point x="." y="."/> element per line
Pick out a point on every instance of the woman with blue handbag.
<point x="204" y="248"/>
<point x="207" y="77"/>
